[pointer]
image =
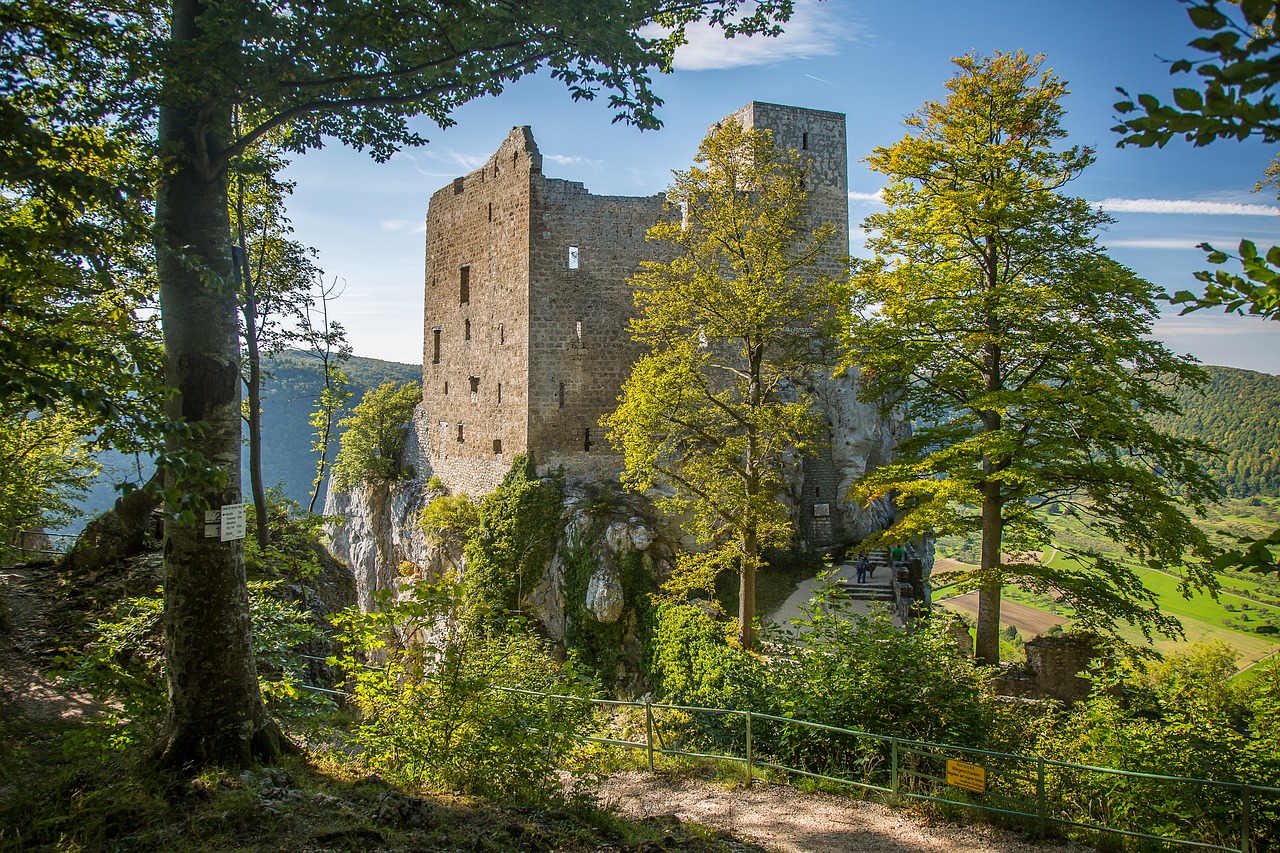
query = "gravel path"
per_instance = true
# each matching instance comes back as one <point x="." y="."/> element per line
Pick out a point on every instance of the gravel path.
<point x="779" y="817"/>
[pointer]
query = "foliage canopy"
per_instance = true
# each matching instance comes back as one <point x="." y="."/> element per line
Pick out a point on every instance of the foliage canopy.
<point x="736" y="324"/>
<point x="1021" y="353"/>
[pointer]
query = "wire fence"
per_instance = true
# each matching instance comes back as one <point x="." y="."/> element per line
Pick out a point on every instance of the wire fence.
<point x="1194" y="813"/>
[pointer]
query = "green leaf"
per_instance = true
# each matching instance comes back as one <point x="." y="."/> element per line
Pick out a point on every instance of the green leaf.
<point x="1188" y="99"/>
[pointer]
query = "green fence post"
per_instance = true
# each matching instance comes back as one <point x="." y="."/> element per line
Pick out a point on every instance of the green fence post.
<point x="648" y="730"/>
<point x="1246" y="827"/>
<point x="549" y="729"/>
<point x="1041" y="808"/>
<point x="893" y="766"/>
<point x="748" y="713"/>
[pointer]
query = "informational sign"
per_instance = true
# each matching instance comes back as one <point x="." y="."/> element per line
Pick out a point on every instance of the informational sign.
<point x="970" y="777"/>
<point x="821" y="510"/>
<point x="212" y="524"/>
<point x="233" y="522"/>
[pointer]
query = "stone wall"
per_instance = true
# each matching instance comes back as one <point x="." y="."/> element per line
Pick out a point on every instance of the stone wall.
<point x="584" y="249"/>
<point x="475" y="364"/>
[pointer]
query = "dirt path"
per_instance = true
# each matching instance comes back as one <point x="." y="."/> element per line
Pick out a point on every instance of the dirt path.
<point x="781" y="818"/>
<point x="25" y="649"/>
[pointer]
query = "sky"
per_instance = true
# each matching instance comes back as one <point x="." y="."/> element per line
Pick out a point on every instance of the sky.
<point x="876" y="61"/>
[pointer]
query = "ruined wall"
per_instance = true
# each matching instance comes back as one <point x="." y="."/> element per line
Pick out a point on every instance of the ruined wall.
<point x="475" y="361"/>
<point x="819" y="136"/>
<point x="584" y="249"/>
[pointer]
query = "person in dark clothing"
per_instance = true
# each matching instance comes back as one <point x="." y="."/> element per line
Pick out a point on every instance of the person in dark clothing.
<point x="862" y="566"/>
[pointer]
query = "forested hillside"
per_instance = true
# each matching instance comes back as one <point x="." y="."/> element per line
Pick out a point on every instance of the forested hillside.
<point x="1238" y="412"/>
<point x="289" y="397"/>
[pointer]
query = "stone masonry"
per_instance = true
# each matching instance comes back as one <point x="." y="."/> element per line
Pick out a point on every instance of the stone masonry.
<point x="527" y="302"/>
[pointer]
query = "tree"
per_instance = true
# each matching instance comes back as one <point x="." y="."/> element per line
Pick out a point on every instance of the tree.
<point x="45" y="465"/>
<point x="276" y="276"/>
<point x="368" y="450"/>
<point x="327" y="343"/>
<point x="1021" y="353"/>
<point x="734" y="324"/>
<point x="356" y="73"/>
<point x="76" y="269"/>
<point x="1235" y="100"/>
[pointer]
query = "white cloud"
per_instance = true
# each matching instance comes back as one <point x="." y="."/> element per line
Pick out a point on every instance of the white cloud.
<point x="1156" y="243"/>
<point x="876" y="197"/>
<point x="814" y="30"/>
<point x="573" y="160"/>
<point x="1186" y="206"/>
<point x="402" y="225"/>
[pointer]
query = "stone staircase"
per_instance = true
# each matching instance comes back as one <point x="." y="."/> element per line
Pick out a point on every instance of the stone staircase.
<point x="878" y="587"/>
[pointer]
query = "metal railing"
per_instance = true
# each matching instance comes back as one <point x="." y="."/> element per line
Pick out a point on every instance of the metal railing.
<point x="1038" y="790"/>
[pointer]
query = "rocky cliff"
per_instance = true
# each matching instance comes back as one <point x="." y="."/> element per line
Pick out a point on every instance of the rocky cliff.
<point x="611" y="542"/>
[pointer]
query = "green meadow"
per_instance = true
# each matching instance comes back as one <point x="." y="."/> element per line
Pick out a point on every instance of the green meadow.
<point x="1244" y="601"/>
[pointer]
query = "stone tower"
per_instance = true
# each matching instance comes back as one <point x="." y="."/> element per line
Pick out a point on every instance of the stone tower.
<point x="527" y="301"/>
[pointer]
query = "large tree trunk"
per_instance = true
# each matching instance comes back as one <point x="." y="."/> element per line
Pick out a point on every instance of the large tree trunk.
<point x="986" y="649"/>
<point x="747" y="590"/>
<point x="215" y="711"/>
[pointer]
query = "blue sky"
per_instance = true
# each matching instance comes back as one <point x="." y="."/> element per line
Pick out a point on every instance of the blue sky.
<point x="874" y="60"/>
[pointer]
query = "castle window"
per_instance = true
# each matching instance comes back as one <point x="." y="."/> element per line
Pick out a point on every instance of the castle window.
<point x="475" y="389"/>
<point x="435" y="345"/>
<point x="490" y="211"/>
<point x="561" y="394"/>
<point x="460" y="439"/>
<point x="459" y="184"/>
<point x="502" y="334"/>
<point x="464" y="285"/>
<point x="497" y="447"/>
<point x="804" y="142"/>
<point x="586" y="440"/>
<point x="466" y="331"/>
<point x="573" y="257"/>
<point x="446" y="389"/>
<point x="817" y="491"/>
<point x="499" y="392"/>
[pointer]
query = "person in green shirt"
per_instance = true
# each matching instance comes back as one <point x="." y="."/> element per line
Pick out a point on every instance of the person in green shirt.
<point x="897" y="555"/>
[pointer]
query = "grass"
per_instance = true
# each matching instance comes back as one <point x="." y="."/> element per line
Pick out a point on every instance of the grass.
<point x="1244" y="602"/>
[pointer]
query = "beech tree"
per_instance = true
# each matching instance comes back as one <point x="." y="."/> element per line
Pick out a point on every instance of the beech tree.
<point x="734" y="325"/>
<point x="1023" y="356"/>
<point x="354" y="72"/>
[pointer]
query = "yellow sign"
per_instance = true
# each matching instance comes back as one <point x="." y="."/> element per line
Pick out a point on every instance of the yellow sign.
<point x="970" y="777"/>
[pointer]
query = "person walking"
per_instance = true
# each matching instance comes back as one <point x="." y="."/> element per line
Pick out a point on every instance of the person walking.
<point x="862" y="566"/>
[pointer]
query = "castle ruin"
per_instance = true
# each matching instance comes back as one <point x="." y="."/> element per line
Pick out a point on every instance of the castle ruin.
<point x="527" y="302"/>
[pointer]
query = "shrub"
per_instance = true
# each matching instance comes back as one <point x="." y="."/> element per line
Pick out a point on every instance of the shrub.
<point x="369" y="449"/>
<point x="124" y="664"/>
<point x="1181" y="717"/>
<point x="519" y="526"/>
<point x="429" y="711"/>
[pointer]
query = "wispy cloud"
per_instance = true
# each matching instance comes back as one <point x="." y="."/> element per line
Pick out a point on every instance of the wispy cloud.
<point x="814" y="30"/>
<point x="876" y="197"/>
<point x="1185" y="206"/>
<point x="454" y="159"/>
<point x="409" y="225"/>
<point x="1156" y="243"/>
<point x="573" y="160"/>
